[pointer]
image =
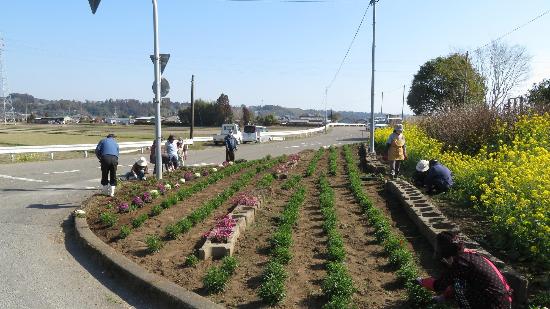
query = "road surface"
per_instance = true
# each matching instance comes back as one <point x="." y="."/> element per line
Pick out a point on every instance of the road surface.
<point x="42" y="266"/>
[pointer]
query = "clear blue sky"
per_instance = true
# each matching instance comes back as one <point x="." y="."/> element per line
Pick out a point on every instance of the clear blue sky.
<point x="267" y="51"/>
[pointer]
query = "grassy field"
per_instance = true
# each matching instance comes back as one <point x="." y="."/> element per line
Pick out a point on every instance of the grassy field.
<point x="36" y="135"/>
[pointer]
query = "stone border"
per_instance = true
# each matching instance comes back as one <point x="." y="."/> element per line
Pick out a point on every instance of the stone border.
<point x="431" y="221"/>
<point x="136" y="276"/>
<point x="245" y="216"/>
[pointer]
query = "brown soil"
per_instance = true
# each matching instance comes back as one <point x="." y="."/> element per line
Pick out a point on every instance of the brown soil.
<point x="373" y="277"/>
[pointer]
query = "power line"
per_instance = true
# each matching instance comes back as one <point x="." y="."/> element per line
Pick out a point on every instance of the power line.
<point x="513" y="30"/>
<point x="349" y="48"/>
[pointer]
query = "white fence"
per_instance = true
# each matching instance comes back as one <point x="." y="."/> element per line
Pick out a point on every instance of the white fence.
<point x="140" y="146"/>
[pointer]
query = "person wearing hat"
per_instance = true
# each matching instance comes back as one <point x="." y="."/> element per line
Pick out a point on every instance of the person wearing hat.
<point x="439" y="178"/>
<point x="230" y="146"/>
<point x="421" y="172"/>
<point x="172" y="152"/>
<point x="139" y="169"/>
<point x="107" y="152"/>
<point x="470" y="278"/>
<point x="396" y="150"/>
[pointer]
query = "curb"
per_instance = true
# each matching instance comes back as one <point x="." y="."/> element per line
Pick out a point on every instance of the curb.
<point x="167" y="292"/>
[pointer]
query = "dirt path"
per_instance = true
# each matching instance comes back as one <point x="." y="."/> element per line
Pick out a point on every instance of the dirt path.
<point x="374" y="279"/>
<point x="307" y="268"/>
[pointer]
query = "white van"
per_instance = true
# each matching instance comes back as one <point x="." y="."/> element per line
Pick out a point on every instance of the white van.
<point x="219" y="138"/>
<point x="256" y="134"/>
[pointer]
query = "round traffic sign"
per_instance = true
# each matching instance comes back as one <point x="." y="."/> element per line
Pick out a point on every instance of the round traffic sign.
<point x="164" y="87"/>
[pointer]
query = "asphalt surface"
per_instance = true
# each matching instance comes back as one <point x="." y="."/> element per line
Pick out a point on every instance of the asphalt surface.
<point x="42" y="266"/>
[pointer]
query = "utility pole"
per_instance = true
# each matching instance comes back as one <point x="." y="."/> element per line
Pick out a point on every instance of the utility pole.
<point x="382" y="104"/>
<point x="326" y="95"/>
<point x="465" y="78"/>
<point x="192" y="107"/>
<point x="403" y="105"/>
<point x="371" y="144"/>
<point x="158" y="163"/>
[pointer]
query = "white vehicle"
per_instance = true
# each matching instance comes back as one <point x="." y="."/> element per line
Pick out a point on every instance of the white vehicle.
<point x="219" y="138"/>
<point x="255" y="134"/>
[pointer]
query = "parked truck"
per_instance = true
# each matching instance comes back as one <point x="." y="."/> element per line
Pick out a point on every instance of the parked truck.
<point x="219" y="138"/>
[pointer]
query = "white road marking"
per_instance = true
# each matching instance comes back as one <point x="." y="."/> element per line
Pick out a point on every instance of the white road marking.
<point x="88" y="188"/>
<point x="65" y="172"/>
<point x="295" y="146"/>
<point x="21" y="178"/>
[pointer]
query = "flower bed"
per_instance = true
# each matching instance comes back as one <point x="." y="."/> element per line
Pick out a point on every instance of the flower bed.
<point x="510" y="185"/>
<point x="223" y="229"/>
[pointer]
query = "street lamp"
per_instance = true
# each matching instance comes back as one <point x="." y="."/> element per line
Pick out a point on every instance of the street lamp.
<point x="156" y="60"/>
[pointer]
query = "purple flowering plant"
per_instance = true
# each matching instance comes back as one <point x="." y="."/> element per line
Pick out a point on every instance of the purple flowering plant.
<point x="246" y="199"/>
<point x="204" y="173"/>
<point x="137" y="201"/>
<point x="225" y="226"/>
<point x="161" y="188"/>
<point x="147" y="198"/>
<point x="123" y="207"/>
<point x="188" y="176"/>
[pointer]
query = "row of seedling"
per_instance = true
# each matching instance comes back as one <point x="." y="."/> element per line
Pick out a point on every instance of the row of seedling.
<point x="394" y="245"/>
<point x="180" y="195"/>
<point x="313" y="163"/>
<point x="272" y="289"/>
<point x="203" y="212"/>
<point x="216" y="277"/>
<point x="338" y="285"/>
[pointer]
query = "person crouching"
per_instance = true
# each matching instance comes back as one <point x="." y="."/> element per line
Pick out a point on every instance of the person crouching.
<point x="139" y="170"/>
<point x="439" y="178"/>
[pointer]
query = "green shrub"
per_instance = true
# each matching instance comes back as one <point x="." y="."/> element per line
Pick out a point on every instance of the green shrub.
<point x="282" y="238"/>
<point x="191" y="260"/>
<point x="229" y="264"/>
<point x="400" y="257"/>
<point x="215" y="280"/>
<point x="156" y="210"/>
<point x="124" y="231"/>
<point x="138" y="221"/>
<point x="272" y="289"/>
<point x="338" y="282"/>
<point x="173" y="231"/>
<point x="154" y="243"/>
<point x="282" y="255"/>
<point x="109" y="219"/>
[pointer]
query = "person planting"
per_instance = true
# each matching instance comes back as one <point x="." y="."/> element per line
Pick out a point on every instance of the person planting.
<point x="396" y="150"/>
<point x="470" y="278"/>
<point x="107" y="152"/>
<point x="139" y="169"/>
<point x="421" y="172"/>
<point x="439" y="178"/>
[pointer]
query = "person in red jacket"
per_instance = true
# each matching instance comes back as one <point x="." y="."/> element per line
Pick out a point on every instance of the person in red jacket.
<point x="470" y="278"/>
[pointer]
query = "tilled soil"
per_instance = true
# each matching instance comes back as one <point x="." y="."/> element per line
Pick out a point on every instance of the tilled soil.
<point x="373" y="277"/>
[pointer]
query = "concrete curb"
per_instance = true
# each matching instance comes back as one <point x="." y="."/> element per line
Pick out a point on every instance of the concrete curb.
<point x="136" y="276"/>
<point x="431" y="221"/>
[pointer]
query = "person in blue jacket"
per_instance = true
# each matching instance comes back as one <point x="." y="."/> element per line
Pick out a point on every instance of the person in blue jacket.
<point x="439" y="178"/>
<point x="107" y="152"/>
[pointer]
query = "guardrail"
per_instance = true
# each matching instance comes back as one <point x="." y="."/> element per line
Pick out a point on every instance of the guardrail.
<point x="140" y="146"/>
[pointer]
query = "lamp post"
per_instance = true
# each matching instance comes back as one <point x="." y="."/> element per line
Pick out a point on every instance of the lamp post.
<point x="156" y="60"/>
<point x="371" y="137"/>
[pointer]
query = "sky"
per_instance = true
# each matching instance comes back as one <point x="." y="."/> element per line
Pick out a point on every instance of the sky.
<point x="257" y="52"/>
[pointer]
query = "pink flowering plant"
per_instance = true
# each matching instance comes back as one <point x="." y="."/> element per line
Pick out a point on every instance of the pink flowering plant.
<point x="225" y="163"/>
<point x="123" y="207"/>
<point x="188" y="176"/>
<point x="137" y="201"/>
<point x="147" y="198"/>
<point x="176" y="185"/>
<point x="161" y="188"/>
<point x="246" y="199"/>
<point x="293" y="158"/>
<point x="225" y="226"/>
<point x="204" y="173"/>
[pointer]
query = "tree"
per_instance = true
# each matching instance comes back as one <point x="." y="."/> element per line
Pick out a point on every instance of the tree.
<point x="205" y="114"/>
<point x="267" y="120"/>
<point x="247" y="115"/>
<point x="443" y="83"/>
<point x="223" y="109"/>
<point x="539" y="95"/>
<point x="503" y="68"/>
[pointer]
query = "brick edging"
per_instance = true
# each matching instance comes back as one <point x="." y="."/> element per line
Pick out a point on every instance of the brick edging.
<point x="136" y="276"/>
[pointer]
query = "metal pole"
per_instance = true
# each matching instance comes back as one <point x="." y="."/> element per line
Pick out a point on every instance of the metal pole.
<point x="371" y="144"/>
<point x="403" y="105"/>
<point x="326" y="121"/>
<point x="158" y="152"/>
<point x="192" y="107"/>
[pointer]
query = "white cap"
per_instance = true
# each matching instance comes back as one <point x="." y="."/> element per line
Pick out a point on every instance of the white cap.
<point x="142" y="161"/>
<point x="422" y="166"/>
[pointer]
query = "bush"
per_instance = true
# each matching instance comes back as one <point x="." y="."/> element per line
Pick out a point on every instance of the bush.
<point x="138" y="221"/>
<point x="107" y="218"/>
<point x="191" y="260"/>
<point x="272" y="289"/>
<point x="154" y="243"/>
<point x="156" y="210"/>
<point x="124" y="231"/>
<point x="215" y="280"/>
<point x="229" y="264"/>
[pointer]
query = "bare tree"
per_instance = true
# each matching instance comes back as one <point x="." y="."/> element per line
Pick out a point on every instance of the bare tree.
<point x="503" y="68"/>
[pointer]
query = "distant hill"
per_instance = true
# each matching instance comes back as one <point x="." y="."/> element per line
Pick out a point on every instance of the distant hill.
<point x="26" y="103"/>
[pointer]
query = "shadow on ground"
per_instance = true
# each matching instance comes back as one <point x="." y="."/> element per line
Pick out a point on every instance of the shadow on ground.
<point x="137" y="298"/>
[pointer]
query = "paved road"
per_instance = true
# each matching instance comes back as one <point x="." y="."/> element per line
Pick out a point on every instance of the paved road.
<point x="41" y="266"/>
